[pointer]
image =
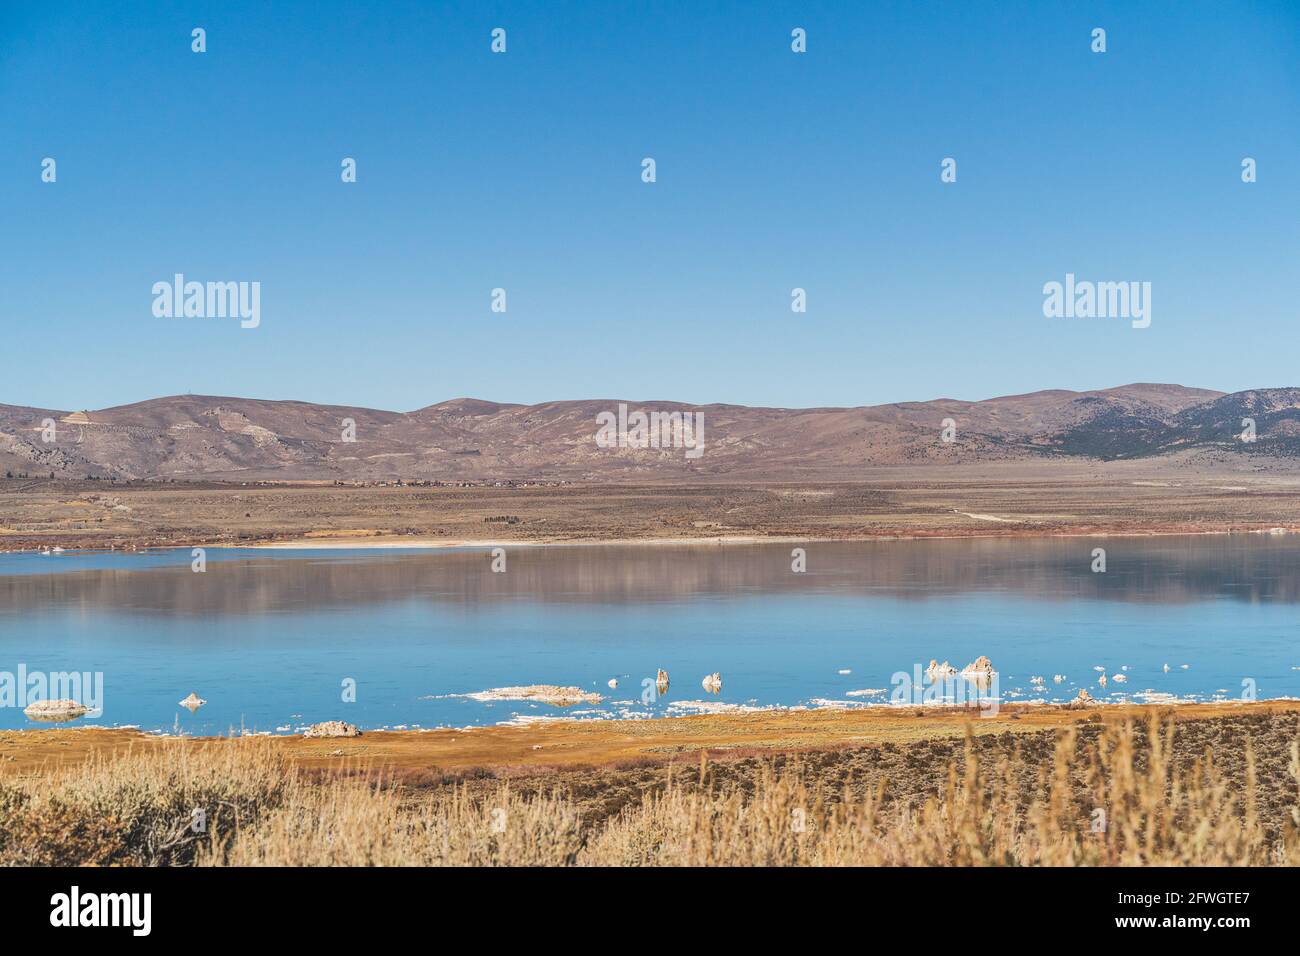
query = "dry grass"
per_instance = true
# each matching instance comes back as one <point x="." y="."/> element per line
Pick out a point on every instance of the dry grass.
<point x="1014" y="803"/>
<point x="138" y="809"/>
<point x="1154" y="816"/>
<point x="367" y="824"/>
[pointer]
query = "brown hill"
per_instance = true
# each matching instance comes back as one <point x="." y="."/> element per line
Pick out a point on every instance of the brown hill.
<point x="191" y="437"/>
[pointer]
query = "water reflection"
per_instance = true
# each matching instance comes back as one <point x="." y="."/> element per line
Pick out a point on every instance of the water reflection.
<point x="1171" y="570"/>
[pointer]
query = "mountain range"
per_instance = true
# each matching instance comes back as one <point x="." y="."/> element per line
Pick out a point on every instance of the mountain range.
<point x="196" y="437"/>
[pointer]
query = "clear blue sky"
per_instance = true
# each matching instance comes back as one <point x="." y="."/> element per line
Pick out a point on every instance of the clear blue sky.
<point x="522" y="171"/>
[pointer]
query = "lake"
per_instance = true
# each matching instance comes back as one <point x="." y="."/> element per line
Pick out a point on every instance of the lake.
<point x="270" y="637"/>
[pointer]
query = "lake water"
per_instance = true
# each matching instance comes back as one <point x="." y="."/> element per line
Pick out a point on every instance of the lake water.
<point x="268" y="638"/>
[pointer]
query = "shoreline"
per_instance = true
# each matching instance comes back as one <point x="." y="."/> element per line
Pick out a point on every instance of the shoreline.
<point x="362" y="543"/>
<point x="718" y="710"/>
<point x="552" y="745"/>
<point x="396" y="543"/>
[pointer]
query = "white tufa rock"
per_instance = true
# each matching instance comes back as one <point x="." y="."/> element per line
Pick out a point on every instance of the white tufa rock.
<point x="937" y="671"/>
<point x="539" y="693"/>
<point x="712" y="682"/>
<point x="1083" y="700"/>
<point x="981" y="667"/>
<point x="192" y="703"/>
<point x="62" y="709"/>
<point x="332" y="728"/>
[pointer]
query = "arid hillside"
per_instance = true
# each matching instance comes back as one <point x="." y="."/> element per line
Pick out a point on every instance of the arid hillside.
<point x="194" y="437"/>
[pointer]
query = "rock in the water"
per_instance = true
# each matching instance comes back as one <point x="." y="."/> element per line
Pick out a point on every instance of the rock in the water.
<point x="193" y="702"/>
<point x="980" y="667"/>
<point x="539" y="693"/>
<point x="332" y="728"/>
<point x="712" y="682"/>
<point x="937" y="671"/>
<point x="63" y="709"/>
<point x="1083" y="700"/>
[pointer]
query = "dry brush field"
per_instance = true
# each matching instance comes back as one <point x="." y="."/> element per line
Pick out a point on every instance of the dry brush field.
<point x="1217" y="790"/>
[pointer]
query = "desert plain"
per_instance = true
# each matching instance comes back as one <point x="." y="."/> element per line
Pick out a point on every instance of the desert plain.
<point x="1044" y="498"/>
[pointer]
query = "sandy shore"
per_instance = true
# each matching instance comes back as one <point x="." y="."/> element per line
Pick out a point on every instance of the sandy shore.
<point x="323" y="541"/>
<point x="331" y="541"/>
<point x="340" y="543"/>
<point x="605" y="743"/>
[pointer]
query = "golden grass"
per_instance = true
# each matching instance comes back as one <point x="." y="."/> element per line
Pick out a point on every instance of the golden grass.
<point x="1153" y="817"/>
<point x="139" y="808"/>
<point x="366" y="824"/>
<point x="1013" y="810"/>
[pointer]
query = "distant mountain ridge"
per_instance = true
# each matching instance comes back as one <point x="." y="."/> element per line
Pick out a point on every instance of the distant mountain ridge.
<point x="191" y="437"/>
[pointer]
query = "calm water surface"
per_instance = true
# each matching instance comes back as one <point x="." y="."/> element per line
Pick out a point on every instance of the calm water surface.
<point x="268" y="637"/>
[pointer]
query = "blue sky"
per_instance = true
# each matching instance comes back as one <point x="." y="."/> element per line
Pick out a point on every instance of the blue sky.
<point x="522" y="171"/>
